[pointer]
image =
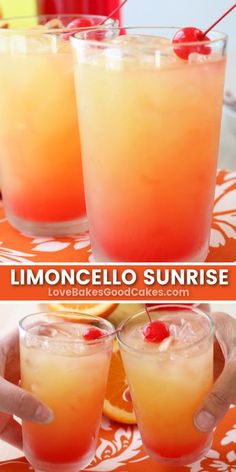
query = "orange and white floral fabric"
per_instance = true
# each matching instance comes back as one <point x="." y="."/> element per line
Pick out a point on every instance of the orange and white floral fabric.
<point x="120" y="450"/>
<point x="19" y="248"/>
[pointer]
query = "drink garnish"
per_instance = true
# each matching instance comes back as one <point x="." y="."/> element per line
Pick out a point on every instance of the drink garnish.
<point x="195" y="35"/>
<point x="93" y="333"/>
<point x="76" y="25"/>
<point x="155" y="331"/>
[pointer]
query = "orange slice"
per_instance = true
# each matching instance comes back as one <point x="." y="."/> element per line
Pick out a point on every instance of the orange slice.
<point x="115" y="406"/>
<point x="95" y="309"/>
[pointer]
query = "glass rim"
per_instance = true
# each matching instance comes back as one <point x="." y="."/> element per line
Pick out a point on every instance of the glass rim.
<point x="77" y="37"/>
<point x="210" y="332"/>
<point x="26" y="330"/>
<point x="55" y="16"/>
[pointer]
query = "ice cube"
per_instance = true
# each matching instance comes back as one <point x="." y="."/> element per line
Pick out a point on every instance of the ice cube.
<point x="124" y="40"/>
<point x="18" y="44"/>
<point x="113" y="58"/>
<point x="196" y="58"/>
<point x="187" y="334"/>
<point x="33" y="42"/>
<point x="141" y="40"/>
<point x="166" y="344"/>
<point x="174" y="330"/>
<point x="50" y="331"/>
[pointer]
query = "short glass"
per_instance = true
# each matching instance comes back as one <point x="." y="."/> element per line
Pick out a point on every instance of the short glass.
<point x="168" y="386"/>
<point x="69" y="374"/>
<point x="41" y="173"/>
<point x="150" y="150"/>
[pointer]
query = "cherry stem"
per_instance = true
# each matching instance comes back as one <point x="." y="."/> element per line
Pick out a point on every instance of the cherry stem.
<point x="218" y="21"/>
<point x="117" y="330"/>
<point x="148" y="314"/>
<point x="113" y="12"/>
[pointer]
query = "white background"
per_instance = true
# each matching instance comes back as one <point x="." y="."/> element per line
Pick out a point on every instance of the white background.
<point x="199" y="13"/>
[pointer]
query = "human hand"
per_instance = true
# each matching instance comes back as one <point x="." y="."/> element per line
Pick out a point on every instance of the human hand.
<point x="223" y="393"/>
<point x="13" y="399"/>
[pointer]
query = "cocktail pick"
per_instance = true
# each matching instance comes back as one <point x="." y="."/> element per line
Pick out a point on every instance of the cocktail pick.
<point x="118" y="8"/>
<point x="147" y="312"/>
<point x="219" y="19"/>
<point x="195" y="35"/>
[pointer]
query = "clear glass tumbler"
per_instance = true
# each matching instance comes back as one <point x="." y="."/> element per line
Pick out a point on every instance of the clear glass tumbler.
<point x="149" y="126"/>
<point x="169" y="380"/>
<point x="69" y="374"/>
<point x="41" y="174"/>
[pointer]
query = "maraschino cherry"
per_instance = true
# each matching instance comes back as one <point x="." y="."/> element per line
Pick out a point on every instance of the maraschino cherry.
<point x="190" y="35"/>
<point x="155" y="331"/>
<point x="77" y="24"/>
<point x="93" y="333"/>
<point x="195" y="35"/>
<point x="87" y="22"/>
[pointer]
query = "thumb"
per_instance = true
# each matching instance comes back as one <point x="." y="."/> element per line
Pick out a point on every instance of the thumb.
<point x="219" y="399"/>
<point x="16" y="401"/>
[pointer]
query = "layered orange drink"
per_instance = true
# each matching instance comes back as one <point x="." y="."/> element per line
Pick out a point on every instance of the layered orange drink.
<point x="169" y="376"/>
<point x="65" y="366"/>
<point x="41" y="170"/>
<point x="149" y="126"/>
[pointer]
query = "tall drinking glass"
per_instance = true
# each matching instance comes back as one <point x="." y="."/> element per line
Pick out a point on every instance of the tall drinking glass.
<point x="69" y="374"/>
<point x="41" y="173"/>
<point x="150" y="126"/>
<point x="94" y="7"/>
<point x="169" y="380"/>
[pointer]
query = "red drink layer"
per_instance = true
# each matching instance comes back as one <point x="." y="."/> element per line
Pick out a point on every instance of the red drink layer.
<point x="98" y="7"/>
